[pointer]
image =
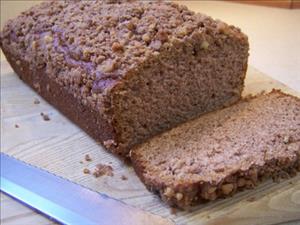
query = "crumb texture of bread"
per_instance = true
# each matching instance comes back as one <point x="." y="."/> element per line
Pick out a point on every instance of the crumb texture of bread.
<point x="223" y="152"/>
<point x="132" y="69"/>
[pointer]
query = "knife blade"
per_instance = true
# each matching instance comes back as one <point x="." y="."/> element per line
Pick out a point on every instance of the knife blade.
<point x="67" y="202"/>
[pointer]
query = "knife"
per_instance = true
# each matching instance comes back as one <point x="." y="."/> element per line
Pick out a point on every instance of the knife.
<point x="67" y="202"/>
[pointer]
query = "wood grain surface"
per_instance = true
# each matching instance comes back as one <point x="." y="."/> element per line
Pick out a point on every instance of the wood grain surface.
<point x="59" y="146"/>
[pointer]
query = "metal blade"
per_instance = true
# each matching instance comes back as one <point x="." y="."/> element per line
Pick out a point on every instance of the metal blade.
<point x="65" y="201"/>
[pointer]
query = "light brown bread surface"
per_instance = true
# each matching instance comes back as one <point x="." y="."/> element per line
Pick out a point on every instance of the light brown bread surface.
<point x="125" y="71"/>
<point x="223" y="152"/>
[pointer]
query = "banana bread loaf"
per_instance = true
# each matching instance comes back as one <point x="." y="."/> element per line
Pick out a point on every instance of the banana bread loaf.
<point x="125" y="71"/>
<point x="223" y="152"/>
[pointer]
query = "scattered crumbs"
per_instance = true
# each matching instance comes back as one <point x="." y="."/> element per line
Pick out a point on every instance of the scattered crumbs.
<point x="173" y="210"/>
<point x="123" y="177"/>
<point x="208" y="216"/>
<point x="291" y="182"/>
<point x="86" y="171"/>
<point x="251" y="199"/>
<point x="103" y="170"/>
<point x="16" y="126"/>
<point x="96" y="173"/>
<point x="45" y="116"/>
<point x="110" y="163"/>
<point x="36" y="101"/>
<point x="87" y="158"/>
<point x="81" y="162"/>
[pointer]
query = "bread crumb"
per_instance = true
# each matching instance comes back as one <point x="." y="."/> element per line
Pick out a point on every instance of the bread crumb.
<point x="36" y="101"/>
<point x="81" y="162"/>
<point x="146" y="38"/>
<point x="45" y="116"/>
<point x="227" y="188"/>
<point x="16" y="126"/>
<point x="86" y="171"/>
<point x="48" y="39"/>
<point x="169" y="192"/>
<point x="34" y="45"/>
<point x="87" y="158"/>
<point x="130" y="26"/>
<point x="103" y="170"/>
<point x="204" y="45"/>
<point x="156" y="44"/>
<point x="211" y="190"/>
<point x="123" y="177"/>
<point x="116" y="46"/>
<point x="109" y="143"/>
<point x="179" y="196"/>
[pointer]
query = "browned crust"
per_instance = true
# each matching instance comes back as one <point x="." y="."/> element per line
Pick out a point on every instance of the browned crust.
<point x="91" y="121"/>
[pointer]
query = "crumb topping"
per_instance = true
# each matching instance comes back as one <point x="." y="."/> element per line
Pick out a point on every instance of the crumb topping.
<point x="89" y="45"/>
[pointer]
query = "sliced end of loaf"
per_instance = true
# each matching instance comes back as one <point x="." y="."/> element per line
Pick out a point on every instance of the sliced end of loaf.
<point x="223" y="152"/>
<point x="189" y="77"/>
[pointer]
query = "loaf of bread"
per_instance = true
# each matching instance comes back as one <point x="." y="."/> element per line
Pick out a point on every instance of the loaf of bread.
<point x="126" y="71"/>
<point x="223" y="152"/>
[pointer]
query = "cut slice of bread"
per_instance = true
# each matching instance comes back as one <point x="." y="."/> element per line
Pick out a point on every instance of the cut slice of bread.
<point x="223" y="152"/>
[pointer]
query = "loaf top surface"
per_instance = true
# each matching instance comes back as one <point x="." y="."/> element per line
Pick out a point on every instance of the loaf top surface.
<point x="249" y="134"/>
<point x="81" y="42"/>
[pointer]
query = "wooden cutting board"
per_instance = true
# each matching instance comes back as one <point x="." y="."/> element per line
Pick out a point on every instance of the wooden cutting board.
<point x="60" y="147"/>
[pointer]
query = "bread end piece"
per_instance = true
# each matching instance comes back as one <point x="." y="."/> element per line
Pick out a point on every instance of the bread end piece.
<point x="223" y="152"/>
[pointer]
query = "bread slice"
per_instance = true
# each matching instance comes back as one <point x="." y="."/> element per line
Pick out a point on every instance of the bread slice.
<point x="223" y="152"/>
<point x="127" y="70"/>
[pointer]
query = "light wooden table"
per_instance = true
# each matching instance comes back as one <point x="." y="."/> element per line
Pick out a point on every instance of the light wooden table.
<point x="58" y="145"/>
